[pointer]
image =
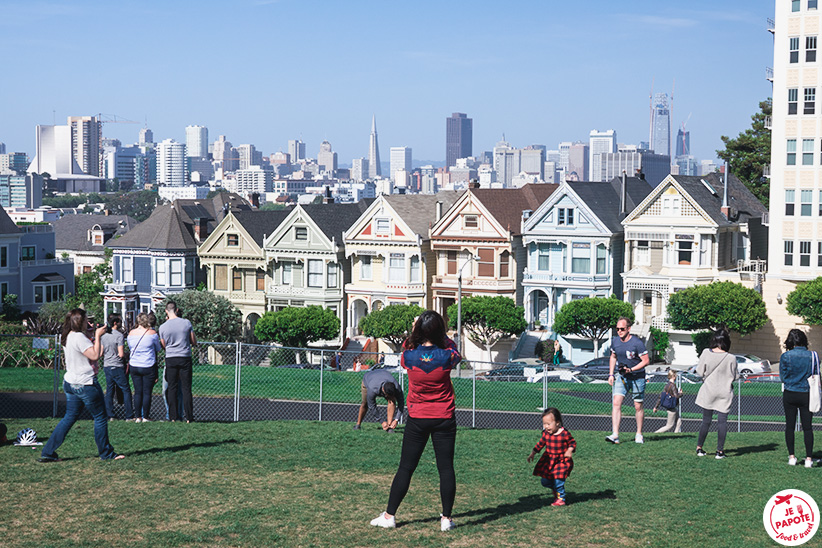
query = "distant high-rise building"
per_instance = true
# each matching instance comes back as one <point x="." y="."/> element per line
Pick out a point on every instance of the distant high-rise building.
<point x="458" y="138"/>
<point x="2" y="148"/>
<point x="532" y="160"/>
<point x="13" y="163"/>
<point x="599" y="142"/>
<point x="171" y="163"/>
<point x="21" y="190"/>
<point x="359" y="169"/>
<point x="374" y="169"/>
<point x="251" y="180"/>
<point x="146" y="136"/>
<point x="661" y="125"/>
<point x="248" y="156"/>
<point x="506" y="163"/>
<point x="196" y="141"/>
<point x="655" y="167"/>
<point x="53" y="152"/>
<point x="296" y="149"/>
<point x="86" y="133"/>
<point x="400" y="161"/>
<point x="578" y="154"/>
<point x="327" y="158"/>
<point x="683" y="143"/>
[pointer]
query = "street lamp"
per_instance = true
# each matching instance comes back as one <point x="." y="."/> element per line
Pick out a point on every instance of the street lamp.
<point x="459" y="301"/>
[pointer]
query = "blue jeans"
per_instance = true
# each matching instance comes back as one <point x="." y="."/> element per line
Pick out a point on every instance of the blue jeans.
<point x="116" y="376"/>
<point x="143" y="379"/>
<point x="79" y="397"/>
<point x="624" y="385"/>
<point x="179" y="397"/>
<point x="557" y="485"/>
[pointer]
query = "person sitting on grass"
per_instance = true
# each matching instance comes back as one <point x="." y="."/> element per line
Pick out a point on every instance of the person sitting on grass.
<point x="379" y="382"/>
<point x="556" y="463"/>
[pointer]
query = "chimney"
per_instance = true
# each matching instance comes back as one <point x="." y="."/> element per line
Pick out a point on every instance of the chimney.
<point x="726" y="211"/>
<point x="473" y="183"/>
<point x="200" y="229"/>
<point x="623" y="196"/>
<point x="439" y="210"/>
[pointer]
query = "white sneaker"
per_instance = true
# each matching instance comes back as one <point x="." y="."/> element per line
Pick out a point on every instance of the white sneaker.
<point x="613" y="438"/>
<point x="383" y="521"/>
<point x="639" y="438"/>
<point x="446" y="524"/>
<point x="792" y="461"/>
<point x="808" y="462"/>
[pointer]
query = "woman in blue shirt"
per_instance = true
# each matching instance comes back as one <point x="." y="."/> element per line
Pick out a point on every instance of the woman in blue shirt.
<point x="795" y="367"/>
<point x="143" y="345"/>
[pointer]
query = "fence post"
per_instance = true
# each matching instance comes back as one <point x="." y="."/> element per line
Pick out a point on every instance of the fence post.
<point x="322" y="359"/>
<point x="237" y="370"/>
<point x="473" y="395"/>
<point x="739" y="405"/>
<point x="56" y="369"/>
<point x="544" y="387"/>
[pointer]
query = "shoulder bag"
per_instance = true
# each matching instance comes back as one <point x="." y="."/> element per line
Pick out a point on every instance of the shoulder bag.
<point x="813" y="381"/>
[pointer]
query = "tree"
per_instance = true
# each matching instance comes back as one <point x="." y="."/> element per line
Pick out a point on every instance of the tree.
<point x="715" y="305"/>
<point x="138" y="205"/>
<point x="806" y="301"/>
<point x="213" y="317"/>
<point x="488" y="320"/>
<point x="392" y="324"/>
<point x="88" y="287"/>
<point x="591" y="318"/>
<point x="661" y="342"/>
<point x="297" y="326"/>
<point x="272" y="206"/>
<point x="750" y="152"/>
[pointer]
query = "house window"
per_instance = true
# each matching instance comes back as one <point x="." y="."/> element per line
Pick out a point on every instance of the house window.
<point x="416" y="271"/>
<point x="286" y="273"/>
<point x="805" y="253"/>
<point x="794" y="5"/>
<point x="602" y="259"/>
<point x="260" y="279"/>
<point x="790" y="199"/>
<point x="565" y="216"/>
<point x="189" y="272"/>
<point x="451" y="263"/>
<point x="232" y="240"/>
<point x="671" y="205"/>
<point x="4" y="256"/>
<point x="4" y="287"/>
<point x="791" y="147"/>
<point x="300" y="233"/>
<point x="176" y="272"/>
<point x="48" y="293"/>
<point x="365" y="267"/>
<point x="581" y="258"/>
<point x="27" y="253"/>
<point x="470" y="222"/>
<point x="485" y="264"/>
<point x="98" y="238"/>
<point x="810" y="101"/>
<point x="383" y="226"/>
<point x="504" y="265"/>
<point x="86" y="269"/>
<point x="315" y="273"/>
<point x="794" y="49"/>
<point x="396" y="268"/>
<point x="788" y="253"/>
<point x="128" y="270"/>
<point x="684" y="252"/>
<point x="793" y="100"/>
<point x="38" y="294"/>
<point x="221" y="277"/>
<point x="332" y="275"/>
<point x="643" y="252"/>
<point x="564" y="257"/>
<point x="819" y="255"/>
<point x="812" y="4"/>
<point x="236" y="279"/>
<point x="544" y="257"/>
<point x="159" y="272"/>
<point x="807" y="152"/>
<point x="806" y="198"/>
<point x="705" y="251"/>
<point x="810" y="49"/>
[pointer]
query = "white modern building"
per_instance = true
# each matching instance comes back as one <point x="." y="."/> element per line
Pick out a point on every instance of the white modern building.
<point x="599" y="142"/>
<point x="197" y="141"/>
<point x="251" y="180"/>
<point x="186" y="192"/>
<point x="400" y="158"/>
<point x="327" y="158"/>
<point x="171" y="163"/>
<point x="146" y="137"/>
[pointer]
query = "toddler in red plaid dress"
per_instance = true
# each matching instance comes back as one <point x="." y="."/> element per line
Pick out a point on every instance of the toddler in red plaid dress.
<point x="556" y="463"/>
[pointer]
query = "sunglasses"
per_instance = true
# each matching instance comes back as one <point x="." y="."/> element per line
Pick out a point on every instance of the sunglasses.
<point x="622" y="329"/>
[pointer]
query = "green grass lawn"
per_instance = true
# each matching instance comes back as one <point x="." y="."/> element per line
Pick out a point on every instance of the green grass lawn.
<point x="319" y="484"/>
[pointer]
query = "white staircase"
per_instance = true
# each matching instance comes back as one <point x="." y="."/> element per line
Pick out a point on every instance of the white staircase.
<point x="527" y="345"/>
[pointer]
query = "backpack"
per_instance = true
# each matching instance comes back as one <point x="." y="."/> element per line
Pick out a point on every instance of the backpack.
<point x="668" y="401"/>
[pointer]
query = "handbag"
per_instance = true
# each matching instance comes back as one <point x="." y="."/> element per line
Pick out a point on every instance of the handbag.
<point x="815" y="399"/>
<point x="667" y="401"/>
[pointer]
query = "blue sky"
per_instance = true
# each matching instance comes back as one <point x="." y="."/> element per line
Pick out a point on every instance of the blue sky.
<point x="266" y="71"/>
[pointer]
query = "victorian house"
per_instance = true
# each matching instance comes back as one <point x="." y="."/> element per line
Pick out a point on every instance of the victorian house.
<point x="688" y="231"/>
<point x="83" y="238"/>
<point x="390" y="253"/>
<point x="306" y="258"/>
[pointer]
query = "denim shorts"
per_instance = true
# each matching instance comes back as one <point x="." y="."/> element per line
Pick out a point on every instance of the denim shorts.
<point x="635" y="386"/>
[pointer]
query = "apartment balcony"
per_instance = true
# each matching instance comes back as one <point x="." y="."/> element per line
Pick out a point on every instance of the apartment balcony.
<point x="36" y="229"/>
<point x="768" y="122"/>
<point x="551" y="277"/>
<point x="771" y="25"/>
<point x="475" y="284"/>
<point x="46" y="262"/>
<point x="766" y="171"/>
<point x="769" y="74"/>
<point x="121" y="288"/>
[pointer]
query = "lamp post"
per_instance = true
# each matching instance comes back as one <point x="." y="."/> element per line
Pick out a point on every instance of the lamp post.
<point x="459" y="302"/>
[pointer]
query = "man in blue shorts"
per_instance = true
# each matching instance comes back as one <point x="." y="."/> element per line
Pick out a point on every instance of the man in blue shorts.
<point x="627" y="375"/>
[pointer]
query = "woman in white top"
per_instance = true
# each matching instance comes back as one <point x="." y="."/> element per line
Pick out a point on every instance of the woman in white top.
<point x="81" y="387"/>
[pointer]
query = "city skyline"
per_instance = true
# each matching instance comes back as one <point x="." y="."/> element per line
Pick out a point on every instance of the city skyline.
<point x="411" y="85"/>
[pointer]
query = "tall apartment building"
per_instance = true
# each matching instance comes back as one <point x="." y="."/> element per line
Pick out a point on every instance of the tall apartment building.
<point x="578" y="157"/>
<point x="145" y="137"/>
<point x="374" y="169"/>
<point x="86" y="133"/>
<point x="296" y="150"/>
<point x="459" y="136"/>
<point x="359" y="169"/>
<point x="655" y="167"/>
<point x="532" y="160"/>
<point x="171" y="163"/>
<point x="506" y="163"/>
<point x="248" y="156"/>
<point x="400" y="158"/>
<point x="13" y="162"/>
<point x="327" y="158"/>
<point x="599" y="142"/>
<point x="196" y="141"/>
<point x="661" y="125"/>
<point x="683" y="143"/>
<point x="251" y="180"/>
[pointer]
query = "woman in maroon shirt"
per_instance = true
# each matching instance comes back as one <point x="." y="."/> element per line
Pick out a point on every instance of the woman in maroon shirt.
<point x="428" y="359"/>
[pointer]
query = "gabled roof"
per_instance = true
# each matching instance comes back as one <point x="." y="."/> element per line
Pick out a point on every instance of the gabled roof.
<point x="260" y="224"/>
<point x="334" y="219"/>
<point x="603" y="198"/>
<point x="507" y="204"/>
<point x="740" y="198"/>
<point x="419" y="211"/>
<point x="71" y="231"/>
<point x="7" y="226"/>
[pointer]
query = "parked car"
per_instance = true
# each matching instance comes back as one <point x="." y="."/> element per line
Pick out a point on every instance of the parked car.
<point x="747" y="365"/>
<point x="511" y="372"/>
<point x="597" y="364"/>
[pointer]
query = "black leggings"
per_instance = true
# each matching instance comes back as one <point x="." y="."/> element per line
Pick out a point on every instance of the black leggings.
<point x="793" y="402"/>
<point x="443" y="433"/>
<point x="722" y="428"/>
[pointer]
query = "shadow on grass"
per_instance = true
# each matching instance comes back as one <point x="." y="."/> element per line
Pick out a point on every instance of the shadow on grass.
<point x="657" y="437"/>
<point x="754" y="449"/>
<point x="177" y="448"/>
<point x="524" y="505"/>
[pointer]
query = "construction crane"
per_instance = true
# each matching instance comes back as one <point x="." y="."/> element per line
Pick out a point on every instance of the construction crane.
<point x="113" y="119"/>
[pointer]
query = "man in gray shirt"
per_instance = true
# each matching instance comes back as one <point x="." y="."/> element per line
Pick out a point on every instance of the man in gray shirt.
<point x="381" y="383"/>
<point x="177" y="337"/>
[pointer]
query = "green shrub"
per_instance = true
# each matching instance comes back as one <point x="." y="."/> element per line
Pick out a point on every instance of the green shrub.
<point x="702" y="339"/>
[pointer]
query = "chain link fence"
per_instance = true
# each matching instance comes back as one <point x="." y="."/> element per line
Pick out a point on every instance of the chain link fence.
<point x="238" y="381"/>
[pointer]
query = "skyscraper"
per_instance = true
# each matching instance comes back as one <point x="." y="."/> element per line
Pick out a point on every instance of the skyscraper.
<point x="578" y="161"/>
<point x="171" y="163"/>
<point x="146" y="136"/>
<point x="359" y="169"/>
<point x="400" y="161"/>
<point x="296" y="149"/>
<point x="661" y="125"/>
<point x="327" y="158"/>
<point x="683" y="143"/>
<point x="86" y="132"/>
<point x="458" y="138"/>
<point x="599" y="142"/>
<point x="374" y="169"/>
<point x="196" y="141"/>
<point x="506" y="163"/>
<point x="248" y="156"/>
